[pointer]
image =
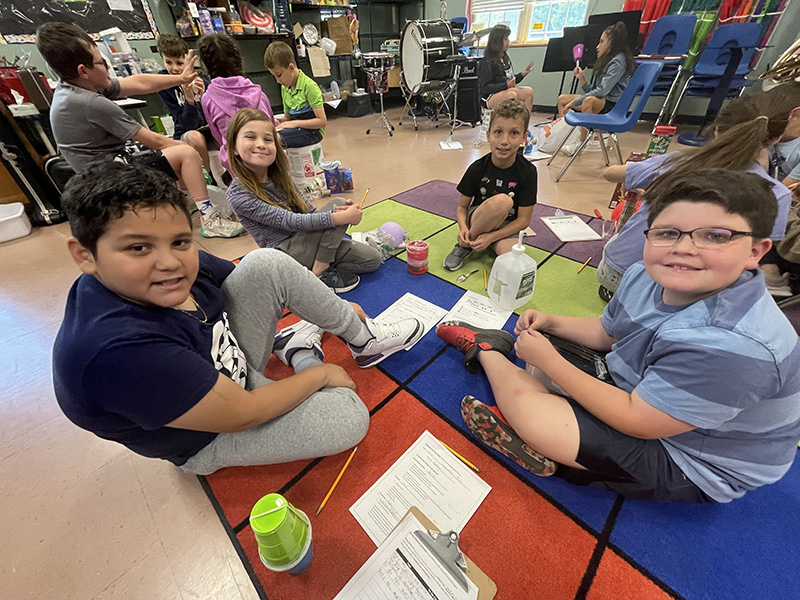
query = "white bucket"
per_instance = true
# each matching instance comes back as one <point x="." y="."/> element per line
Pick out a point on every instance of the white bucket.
<point x="14" y="223"/>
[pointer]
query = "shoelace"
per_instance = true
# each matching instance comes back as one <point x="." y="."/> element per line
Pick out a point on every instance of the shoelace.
<point x="384" y="330"/>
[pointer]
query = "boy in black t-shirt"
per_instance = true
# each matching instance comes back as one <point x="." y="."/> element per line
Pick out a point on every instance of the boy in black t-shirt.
<point x="498" y="190"/>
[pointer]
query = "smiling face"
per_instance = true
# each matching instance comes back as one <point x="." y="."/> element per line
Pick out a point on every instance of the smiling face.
<point x="174" y="64"/>
<point x="255" y="146"/>
<point x="604" y="44"/>
<point x="147" y="257"/>
<point x="688" y="273"/>
<point x="505" y="136"/>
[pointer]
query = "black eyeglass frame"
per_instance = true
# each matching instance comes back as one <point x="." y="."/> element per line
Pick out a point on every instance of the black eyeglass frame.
<point x="691" y="233"/>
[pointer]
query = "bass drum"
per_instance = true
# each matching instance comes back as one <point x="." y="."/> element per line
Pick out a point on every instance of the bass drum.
<point x="422" y="44"/>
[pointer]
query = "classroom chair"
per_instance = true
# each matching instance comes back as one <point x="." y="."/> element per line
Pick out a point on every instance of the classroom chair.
<point x="619" y="119"/>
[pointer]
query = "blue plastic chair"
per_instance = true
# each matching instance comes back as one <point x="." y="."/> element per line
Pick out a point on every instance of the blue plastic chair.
<point x="619" y="119"/>
<point x="671" y="35"/>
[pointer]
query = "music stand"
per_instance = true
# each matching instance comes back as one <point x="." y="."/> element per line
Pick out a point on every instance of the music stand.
<point x="632" y="20"/>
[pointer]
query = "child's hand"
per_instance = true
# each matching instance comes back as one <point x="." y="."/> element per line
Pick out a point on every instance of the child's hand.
<point x="512" y="83"/>
<point x="530" y="319"/>
<point x="463" y="238"/>
<point x="535" y="349"/>
<point x="188" y="75"/>
<point x="527" y="69"/>
<point x="359" y="311"/>
<point x="336" y="376"/>
<point x="482" y="242"/>
<point x="347" y="215"/>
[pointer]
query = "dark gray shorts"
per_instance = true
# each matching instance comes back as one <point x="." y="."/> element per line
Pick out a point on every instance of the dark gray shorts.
<point x="635" y="468"/>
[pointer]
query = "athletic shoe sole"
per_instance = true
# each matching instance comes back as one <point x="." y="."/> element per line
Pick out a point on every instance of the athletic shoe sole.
<point x="500" y="437"/>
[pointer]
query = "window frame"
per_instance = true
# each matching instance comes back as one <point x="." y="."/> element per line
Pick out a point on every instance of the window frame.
<point x="522" y="36"/>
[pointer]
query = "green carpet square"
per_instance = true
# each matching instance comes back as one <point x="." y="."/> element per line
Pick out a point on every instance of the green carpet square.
<point x="417" y="223"/>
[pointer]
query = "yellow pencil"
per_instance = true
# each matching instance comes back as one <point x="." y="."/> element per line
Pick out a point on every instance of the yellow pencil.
<point x="583" y="266"/>
<point x="485" y="281"/>
<point x="363" y="199"/>
<point x="464" y="460"/>
<point x="338" y="477"/>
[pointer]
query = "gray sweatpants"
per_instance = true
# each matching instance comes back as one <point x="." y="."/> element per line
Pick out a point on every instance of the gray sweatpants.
<point x="329" y="246"/>
<point x="331" y="420"/>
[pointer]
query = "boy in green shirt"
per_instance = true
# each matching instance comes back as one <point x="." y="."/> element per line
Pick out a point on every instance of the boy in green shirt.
<point x="304" y="120"/>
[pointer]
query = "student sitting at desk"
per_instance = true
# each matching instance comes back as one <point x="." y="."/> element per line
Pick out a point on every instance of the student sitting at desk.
<point x="89" y="128"/>
<point x="163" y="348"/>
<point x="706" y="401"/>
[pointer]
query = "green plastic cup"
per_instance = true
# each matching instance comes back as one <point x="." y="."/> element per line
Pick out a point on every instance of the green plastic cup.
<point x="283" y="533"/>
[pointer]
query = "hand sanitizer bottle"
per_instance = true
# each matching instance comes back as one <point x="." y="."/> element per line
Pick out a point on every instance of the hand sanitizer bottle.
<point x="513" y="278"/>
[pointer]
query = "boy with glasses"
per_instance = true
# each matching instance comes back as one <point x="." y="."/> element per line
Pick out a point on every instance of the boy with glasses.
<point x="706" y="404"/>
<point x="89" y="128"/>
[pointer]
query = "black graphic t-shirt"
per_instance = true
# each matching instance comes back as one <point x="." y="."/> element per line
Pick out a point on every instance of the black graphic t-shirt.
<point x="123" y="371"/>
<point x="484" y="180"/>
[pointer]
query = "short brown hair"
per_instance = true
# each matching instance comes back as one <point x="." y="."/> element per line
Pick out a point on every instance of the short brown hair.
<point x="511" y="109"/>
<point x="171" y="46"/>
<point x="745" y="194"/>
<point x="220" y="55"/>
<point x="65" y="46"/>
<point x="278" y="54"/>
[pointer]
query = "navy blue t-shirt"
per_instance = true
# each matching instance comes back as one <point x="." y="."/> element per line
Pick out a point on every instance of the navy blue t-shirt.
<point x="123" y="371"/>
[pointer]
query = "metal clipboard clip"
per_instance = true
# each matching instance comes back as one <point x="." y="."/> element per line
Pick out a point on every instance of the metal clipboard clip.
<point x="445" y="547"/>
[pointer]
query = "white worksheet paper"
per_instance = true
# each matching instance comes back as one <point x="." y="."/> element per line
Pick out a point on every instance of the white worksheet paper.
<point x="404" y="568"/>
<point x="408" y="306"/>
<point x="570" y="228"/>
<point x="429" y="477"/>
<point x="479" y="311"/>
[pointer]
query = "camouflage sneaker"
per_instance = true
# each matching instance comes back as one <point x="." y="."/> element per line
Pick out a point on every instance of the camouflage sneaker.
<point x="470" y="339"/>
<point x="483" y="423"/>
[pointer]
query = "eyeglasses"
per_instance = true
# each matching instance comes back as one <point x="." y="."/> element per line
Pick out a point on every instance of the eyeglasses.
<point x="702" y="237"/>
<point x="103" y="62"/>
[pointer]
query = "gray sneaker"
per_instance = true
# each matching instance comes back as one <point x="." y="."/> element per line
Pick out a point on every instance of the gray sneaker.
<point x="454" y="260"/>
<point x="219" y="226"/>
<point x="339" y="281"/>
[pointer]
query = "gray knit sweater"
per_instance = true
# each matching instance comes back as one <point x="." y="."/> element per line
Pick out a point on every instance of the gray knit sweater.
<point x="270" y="225"/>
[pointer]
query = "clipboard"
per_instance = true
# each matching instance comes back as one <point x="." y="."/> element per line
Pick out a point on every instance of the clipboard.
<point x="486" y="587"/>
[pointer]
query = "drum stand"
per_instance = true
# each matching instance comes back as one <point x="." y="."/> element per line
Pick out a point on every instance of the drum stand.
<point x="377" y="79"/>
<point x="429" y="86"/>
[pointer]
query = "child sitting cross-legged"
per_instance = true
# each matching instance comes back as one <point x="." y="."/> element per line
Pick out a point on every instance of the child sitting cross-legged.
<point x="277" y="215"/>
<point x="707" y="369"/>
<point x="163" y="348"/>
<point x="304" y="119"/>
<point x="498" y="190"/>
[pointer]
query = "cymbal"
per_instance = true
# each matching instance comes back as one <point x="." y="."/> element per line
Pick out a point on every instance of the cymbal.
<point x="471" y="38"/>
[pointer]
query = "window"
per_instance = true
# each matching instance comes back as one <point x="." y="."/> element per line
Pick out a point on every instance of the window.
<point x="529" y="20"/>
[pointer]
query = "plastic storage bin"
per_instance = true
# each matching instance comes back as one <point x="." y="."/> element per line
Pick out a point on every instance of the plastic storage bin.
<point x="14" y="223"/>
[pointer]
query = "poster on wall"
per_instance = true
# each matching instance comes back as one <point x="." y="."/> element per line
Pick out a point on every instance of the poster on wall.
<point x="20" y="18"/>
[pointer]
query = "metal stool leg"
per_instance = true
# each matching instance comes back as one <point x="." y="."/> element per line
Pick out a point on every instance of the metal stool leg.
<point x="564" y="141"/>
<point x="603" y="147"/>
<point x="616" y="145"/>
<point x="572" y="158"/>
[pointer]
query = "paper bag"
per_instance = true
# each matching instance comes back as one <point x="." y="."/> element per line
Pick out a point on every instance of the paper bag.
<point x="339" y="32"/>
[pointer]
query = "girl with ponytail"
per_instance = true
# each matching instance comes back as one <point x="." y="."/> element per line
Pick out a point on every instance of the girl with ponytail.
<point x="743" y="132"/>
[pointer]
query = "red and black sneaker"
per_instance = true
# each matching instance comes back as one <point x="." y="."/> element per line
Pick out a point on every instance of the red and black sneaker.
<point x="470" y="340"/>
<point x="485" y="425"/>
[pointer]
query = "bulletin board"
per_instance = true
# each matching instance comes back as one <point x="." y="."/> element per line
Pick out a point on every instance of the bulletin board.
<point x="20" y="18"/>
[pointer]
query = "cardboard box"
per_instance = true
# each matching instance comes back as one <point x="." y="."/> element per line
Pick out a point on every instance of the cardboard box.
<point x="339" y="32"/>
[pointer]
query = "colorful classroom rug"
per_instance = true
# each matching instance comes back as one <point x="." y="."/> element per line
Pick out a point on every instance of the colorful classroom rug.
<point x="535" y="538"/>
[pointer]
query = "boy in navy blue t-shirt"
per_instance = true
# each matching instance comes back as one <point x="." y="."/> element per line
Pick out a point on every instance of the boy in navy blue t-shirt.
<point x="163" y="348"/>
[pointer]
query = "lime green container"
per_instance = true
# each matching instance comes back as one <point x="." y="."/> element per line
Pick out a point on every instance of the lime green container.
<point x="282" y="532"/>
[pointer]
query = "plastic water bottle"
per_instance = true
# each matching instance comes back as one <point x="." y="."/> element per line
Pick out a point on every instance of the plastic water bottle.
<point x="335" y="89"/>
<point x="513" y="278"/>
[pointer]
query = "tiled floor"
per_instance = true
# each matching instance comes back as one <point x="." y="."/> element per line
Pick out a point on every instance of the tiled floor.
<point x="85" y="518"/>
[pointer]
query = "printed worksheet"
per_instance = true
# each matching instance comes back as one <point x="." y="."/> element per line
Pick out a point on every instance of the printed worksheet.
<point x="479" y="311"/>
<point x="403" y="568"/>
<point x="570" y="228"/>
<point x="429" y="477"/>
<point x="408" y="306"/>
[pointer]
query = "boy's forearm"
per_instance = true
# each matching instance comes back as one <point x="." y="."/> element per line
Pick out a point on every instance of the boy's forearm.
<point x="588" y="331"/>
<point x="461" y="216"/>
<point x="314" y="123"/>
<point x="147" y="83"/>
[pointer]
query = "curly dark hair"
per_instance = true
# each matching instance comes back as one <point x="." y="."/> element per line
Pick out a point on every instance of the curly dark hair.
<point x="511" y="109"/>
<point x="745" y="194"/>
<point x="105" y="192"/>
<point x="618" y="36"/>
<point x="220" y="55"/>
<point x="64" y="46"/>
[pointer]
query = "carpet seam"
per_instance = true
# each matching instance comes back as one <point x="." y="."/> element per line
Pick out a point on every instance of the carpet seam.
<point x="597" y="555"/>
<point x="645" y="572"/>
<point x="248" y="566"/>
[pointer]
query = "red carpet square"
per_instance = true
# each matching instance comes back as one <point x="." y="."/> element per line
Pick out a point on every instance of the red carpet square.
<point x="616" y="578"/>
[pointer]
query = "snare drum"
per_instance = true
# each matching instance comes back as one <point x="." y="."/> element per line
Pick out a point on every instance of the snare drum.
<point x="422" y="44"/>
<point x="377" y="61"/>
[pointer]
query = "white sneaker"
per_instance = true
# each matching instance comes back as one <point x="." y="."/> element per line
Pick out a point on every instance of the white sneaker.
<point x="218" y="226"/>
<point x="571" y="148"/>
<point x="388" y="338"/>
<point x="779" y="288"/>
<point x="300" y="336"/>
<point x="593" y="145"/>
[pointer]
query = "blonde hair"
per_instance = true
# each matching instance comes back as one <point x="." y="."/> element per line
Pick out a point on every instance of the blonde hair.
<point x="278" y="171"/>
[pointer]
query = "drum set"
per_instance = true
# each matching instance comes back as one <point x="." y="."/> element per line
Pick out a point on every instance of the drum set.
<point x="431" y="61"/>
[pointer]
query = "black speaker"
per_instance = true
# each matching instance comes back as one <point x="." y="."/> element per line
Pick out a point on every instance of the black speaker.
<point x="469" y="100"/>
